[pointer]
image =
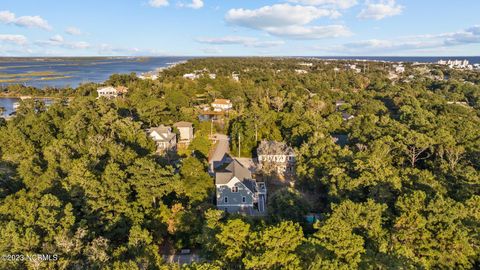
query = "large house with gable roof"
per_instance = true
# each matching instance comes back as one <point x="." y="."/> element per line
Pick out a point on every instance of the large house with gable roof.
<point x="238" y="191"/>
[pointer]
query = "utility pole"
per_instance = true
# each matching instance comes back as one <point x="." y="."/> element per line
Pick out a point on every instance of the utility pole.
<point x="239" y="147"/>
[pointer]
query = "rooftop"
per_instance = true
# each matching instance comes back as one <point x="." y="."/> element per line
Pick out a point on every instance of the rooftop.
<point x="234" y="169"/>
<point x="183" y="124"/>
<point x="221" y="101"/>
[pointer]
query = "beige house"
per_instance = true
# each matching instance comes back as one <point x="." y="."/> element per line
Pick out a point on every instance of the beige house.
<point x="276" y="156"/>
<point x="164" y="137"/>
<point x="221" y="104"/>
<point x="186" y="131"/>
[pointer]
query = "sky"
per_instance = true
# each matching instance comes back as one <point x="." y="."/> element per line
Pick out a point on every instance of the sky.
<point x="239" y="28"/>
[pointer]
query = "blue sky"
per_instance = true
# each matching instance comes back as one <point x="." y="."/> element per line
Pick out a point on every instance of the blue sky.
<point x="239" y="27"/>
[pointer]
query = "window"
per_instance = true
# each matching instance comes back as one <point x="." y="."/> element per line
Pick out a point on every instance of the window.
<point x="244" y="199"/>
<point x="234" y="189"/>
<point x="225" y="199"/>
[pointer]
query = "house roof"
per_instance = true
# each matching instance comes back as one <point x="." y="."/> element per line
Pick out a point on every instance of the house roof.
<point x="347" y="116"/>
<point x="106" y="88"/>
<point x="234" y="169"/>
<point x="183" y="124"/>
<point x="274" y="148"/>
<point x="221" y="101"/>
<point x="161" y="131"/>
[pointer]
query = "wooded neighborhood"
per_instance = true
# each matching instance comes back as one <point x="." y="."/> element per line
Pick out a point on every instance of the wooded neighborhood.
<point x="332" y="168"/>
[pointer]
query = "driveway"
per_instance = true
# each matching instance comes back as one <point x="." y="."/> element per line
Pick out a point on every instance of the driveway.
<point x="221" y="148"/>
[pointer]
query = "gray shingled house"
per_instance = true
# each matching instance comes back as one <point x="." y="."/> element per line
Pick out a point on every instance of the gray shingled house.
<point x="238" y="191"/>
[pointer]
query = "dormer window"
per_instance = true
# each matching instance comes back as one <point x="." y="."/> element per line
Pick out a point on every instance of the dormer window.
<point x="234" y="189"/>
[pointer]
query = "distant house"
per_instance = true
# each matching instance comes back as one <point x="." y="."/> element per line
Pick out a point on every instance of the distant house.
<point x="301" y="71"/>
<point x="278" y="156"/>
<point x="399" y="69"/>
<point x="164" y="137"/>
<point x="186" y="131"/>
<point x="306" y="64"/>
<point x="238" y="192"/>
<point x="221" y="104"/>
<point x="191" y="76"/>
<point x="354" y="68"/>
<point x="347" y="116"/>
<point x="236" y="76"/>
<point x="340" y="103"/>
<point x="148" y="76"/>
<point x="111" y="92"/>
<point x="212" y="76"/>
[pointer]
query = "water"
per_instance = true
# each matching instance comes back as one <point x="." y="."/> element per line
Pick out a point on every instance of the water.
<point x="70" y="72"/>
<point x="65" y="72"/>
<point x="7" y="103"/>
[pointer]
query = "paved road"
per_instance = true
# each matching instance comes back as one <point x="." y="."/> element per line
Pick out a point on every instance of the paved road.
<point x="222" y="148"/>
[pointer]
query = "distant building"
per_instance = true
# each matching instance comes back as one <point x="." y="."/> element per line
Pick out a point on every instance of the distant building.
<point x="221" y="104"/>
<point x="399" y="69"/>
<point x="236" y="76"/>
<point x="347" y="116"/>
<point x="212" y="76"/>
<point x="238" y="192"/>
<point x="164" y="137"/>
<point x="277" y="156"/>
<point x="148" y="76"/>
<point x="456" y="64"/>
<point x="306" y="64"/>
<point x="191" y="76"/>
<point x="301" y="71"/>
<point x="111" y="92"/>
<point x="354" y="68"/>
<point x="186" y="131"/>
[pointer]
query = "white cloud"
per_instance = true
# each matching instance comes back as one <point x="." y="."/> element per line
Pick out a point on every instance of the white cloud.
<point x="24" y="21"/>
<point x="73" y="31"/>
<point x="380" y="10"/>
<point x="16" y="39"/>
<point x="59" y="41"/>
<point x="288" y="20"/>
<point x="158" y="3"/>
<point x="312" y="32"/>
<point x="343" y="4"/>
<point x="279" y="15"/>
<point x="411" y="43"/>
<point x="245" y="41"/>
<point x="7" y="16"/>
<point x="196" y="4"/>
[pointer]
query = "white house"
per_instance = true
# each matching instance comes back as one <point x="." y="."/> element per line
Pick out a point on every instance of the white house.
<point x="186" y="131"/>
<point x="301" y="71"/>
<point x="191" y="76"/>
<point x="399" y="69"/>
<point x="221" y="104"/>
<point x="236" y="76"/>
<point x="164" y="137"/>
<point x="111" y="92"/>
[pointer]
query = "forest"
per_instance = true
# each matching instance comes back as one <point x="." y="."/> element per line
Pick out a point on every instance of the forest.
<point x="80" y="179"/>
